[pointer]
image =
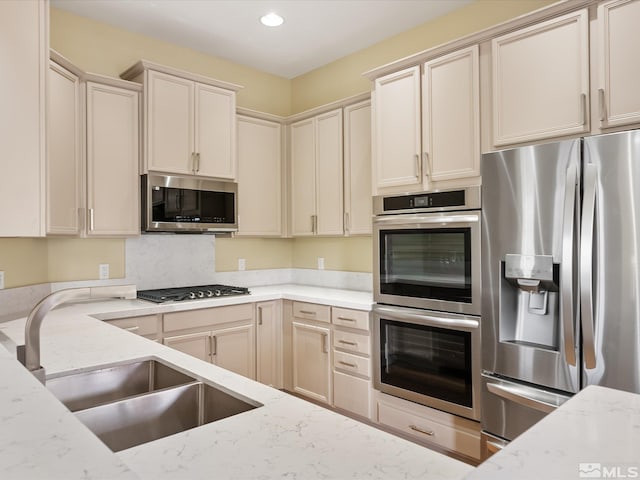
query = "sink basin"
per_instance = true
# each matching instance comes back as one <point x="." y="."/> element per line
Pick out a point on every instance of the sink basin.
<point x="134" y="421"/>
<point x="135" y="403"/>
<point x="84" y="390"/>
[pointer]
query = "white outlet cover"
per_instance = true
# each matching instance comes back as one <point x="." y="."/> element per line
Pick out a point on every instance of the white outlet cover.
<point x="320" y="263"/>
<point x="242" y="264"/>
<point x="104" y="271"/>
<point x="1" y="280"/>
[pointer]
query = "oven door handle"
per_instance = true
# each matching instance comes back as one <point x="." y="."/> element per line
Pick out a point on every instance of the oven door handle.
<point x="541" y="401"/>
<point x="398" y="313"/>
<point x="427" y="219"/>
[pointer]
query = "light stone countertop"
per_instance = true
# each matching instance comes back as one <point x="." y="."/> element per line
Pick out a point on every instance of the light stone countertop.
<point x="595" y="434"/>
<point x="285" y="438"/>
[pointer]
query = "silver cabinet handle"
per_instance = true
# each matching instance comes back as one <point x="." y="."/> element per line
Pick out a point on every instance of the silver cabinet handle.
<point x="427" y="166"/>
<point x="315" y="224"/>
<point x="259" y="315"/>
<point x="132" y="329"/>
<point x="91" y="220"/>
<point x="418" y="169"/>
<point x="415" y="428"/>
<point x="214" y="345"/>
<point x="583" y="107"/>
<point x="601" y="105"/>
<point x="308" y="312"/>
<point x="541" y="401"/>
<point x="193" y="162"/>
<point x="347" y="224"/>
<point x="586" y="264"/>
<point x="345" y="342"/>
<point x="347" y="364"/>
<point x="198" y="162"/>
<point x="566" y="268"/>
<point x="325" y="343"/>
<point x="346" y="319"/>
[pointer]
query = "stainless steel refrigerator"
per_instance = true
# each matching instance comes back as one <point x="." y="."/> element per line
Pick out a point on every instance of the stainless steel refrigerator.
<point x="560" y="277"/>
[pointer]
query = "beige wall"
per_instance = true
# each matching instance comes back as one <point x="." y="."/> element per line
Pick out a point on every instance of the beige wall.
<point x="100" y="48"/>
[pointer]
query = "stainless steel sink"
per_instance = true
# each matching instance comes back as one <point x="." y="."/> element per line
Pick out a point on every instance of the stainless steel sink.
<point x="87" y="389"/>
<point x="131" y="404"/>
<point x="134" y="421"/>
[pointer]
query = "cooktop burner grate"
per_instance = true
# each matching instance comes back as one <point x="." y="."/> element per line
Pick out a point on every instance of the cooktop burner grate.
<point x="180" y="294"/>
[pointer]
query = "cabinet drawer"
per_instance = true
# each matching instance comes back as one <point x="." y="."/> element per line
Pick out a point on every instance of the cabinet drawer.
<point x="352" y="394"/>
<point x="352" y="363"/>
<point x="312" y="311"/>
<point x="352" y="342"/>
<point x="350" y="318"/>
<point x="144" y="325"/>
<point x="207" y="317"/>
<point x="422" y="427"/>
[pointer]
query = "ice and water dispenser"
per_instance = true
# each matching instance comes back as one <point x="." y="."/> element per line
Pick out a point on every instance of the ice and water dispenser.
<point x="529" y="305"/>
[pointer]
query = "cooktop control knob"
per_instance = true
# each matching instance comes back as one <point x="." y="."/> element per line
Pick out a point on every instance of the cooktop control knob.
<point x="217" y="293"/>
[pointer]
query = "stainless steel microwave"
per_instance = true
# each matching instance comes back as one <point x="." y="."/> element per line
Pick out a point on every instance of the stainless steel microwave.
<point x="180" y="204"/>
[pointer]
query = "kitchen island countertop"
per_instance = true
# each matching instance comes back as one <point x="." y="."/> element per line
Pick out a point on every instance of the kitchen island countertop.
<point x="285" y="438"/>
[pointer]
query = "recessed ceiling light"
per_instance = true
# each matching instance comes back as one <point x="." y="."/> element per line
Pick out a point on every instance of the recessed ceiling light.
<point x="272" y="20"/>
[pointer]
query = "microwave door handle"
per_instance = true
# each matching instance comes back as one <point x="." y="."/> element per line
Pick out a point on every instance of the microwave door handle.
<point x="586" y="264"/>
<point x="567" y="313"/>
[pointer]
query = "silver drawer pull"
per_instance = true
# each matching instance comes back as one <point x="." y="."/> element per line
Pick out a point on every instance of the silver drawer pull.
<point x="347" y="319"/>
<point x="307" y="312"/>
<point x="132" y="329"/>
<point x="347" y="364"/>
<point x="420" y="430"/>
<point x="353" y="344"/>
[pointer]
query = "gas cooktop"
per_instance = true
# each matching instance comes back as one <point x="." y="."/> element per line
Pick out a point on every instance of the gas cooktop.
<point x="180" y="294"/>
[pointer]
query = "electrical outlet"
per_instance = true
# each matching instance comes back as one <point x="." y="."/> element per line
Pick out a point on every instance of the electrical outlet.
<point x="103" y="271"/>
<point x="1" y="280"/>
<point x="320" y="263"/>
<point x="242" y="264"/>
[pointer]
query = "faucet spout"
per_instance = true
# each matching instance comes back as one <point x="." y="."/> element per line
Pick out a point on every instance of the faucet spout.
<point x="29" y="354"/>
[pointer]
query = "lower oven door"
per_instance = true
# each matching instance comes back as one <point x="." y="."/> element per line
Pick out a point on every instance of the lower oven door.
<point x="432" y="358"/>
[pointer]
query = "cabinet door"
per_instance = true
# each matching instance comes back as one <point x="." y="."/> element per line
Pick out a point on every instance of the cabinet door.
<point x="63" y="151"/>
<point x="269" y="344"/>
<point x="451" y="116"/>
<point x="619" y="62"/>
<point x="397" y="129"/>
<point x="195" y="344"/>
<point x="24" y="58"/>
<point x="169" y="123"/>
<point x="112" y="161"/>
<point x="311" y="365"/>
<point x="234" y="349"/>
<point x="215" y="132"/>
<point x="303" y="191"/>
<point x="541" y="80"/>
<point x="259" y="177"/>
<point x="357" y="169"/>
<point x="352" y="394"/>
<point x="329" y="185"/>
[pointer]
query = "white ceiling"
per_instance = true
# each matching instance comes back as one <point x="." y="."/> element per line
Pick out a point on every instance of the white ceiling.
<point x="315" y="32"/>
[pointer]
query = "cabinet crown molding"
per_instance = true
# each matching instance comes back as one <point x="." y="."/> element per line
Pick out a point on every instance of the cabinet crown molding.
<point x="139" y="67"/>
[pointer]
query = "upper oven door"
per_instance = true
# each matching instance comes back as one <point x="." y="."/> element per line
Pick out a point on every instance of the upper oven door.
<point x="429" y="261"/>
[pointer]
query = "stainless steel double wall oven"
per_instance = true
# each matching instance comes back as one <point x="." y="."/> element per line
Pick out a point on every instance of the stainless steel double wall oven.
<point x="427" y="293"/>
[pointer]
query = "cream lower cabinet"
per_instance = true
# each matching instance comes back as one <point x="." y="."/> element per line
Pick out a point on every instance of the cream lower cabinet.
<point x="259" y="177"/>
<point x="311" y="363"/>
<point x="540" y="79"/>
<point x="224" y="336"/>
<point x="618" y="49"/>
<point x="147" y="326"/>
<point x="24" y="54"/>
<point x="269" y="343"/>
<point x="316" y="175"/>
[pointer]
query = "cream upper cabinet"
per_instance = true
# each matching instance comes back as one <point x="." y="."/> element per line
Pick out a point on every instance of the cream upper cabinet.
<point x="427" y="125"/>
<point x="397" y="130"/>
<point x="190" y="123"/>
<point x="451" y="117"/>
<point x="618" y="63"/>
<point x="357" y="169"/>
<point x="316" y="175"/>
<point x="540" y="81"/>
<point x="64" y="151"/>
<point x="113" y="200"/>
<point x="24" y="56"/>
<point x="259" y="177"/>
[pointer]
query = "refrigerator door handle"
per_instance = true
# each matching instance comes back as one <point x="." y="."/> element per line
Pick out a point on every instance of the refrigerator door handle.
<point x="566" y="270"/>
<point x="586" y="264"/>
<point x="541" y="401"/>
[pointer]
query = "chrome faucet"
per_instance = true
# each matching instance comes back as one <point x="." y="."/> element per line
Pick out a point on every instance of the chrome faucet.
<point x="29" y="353"/>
